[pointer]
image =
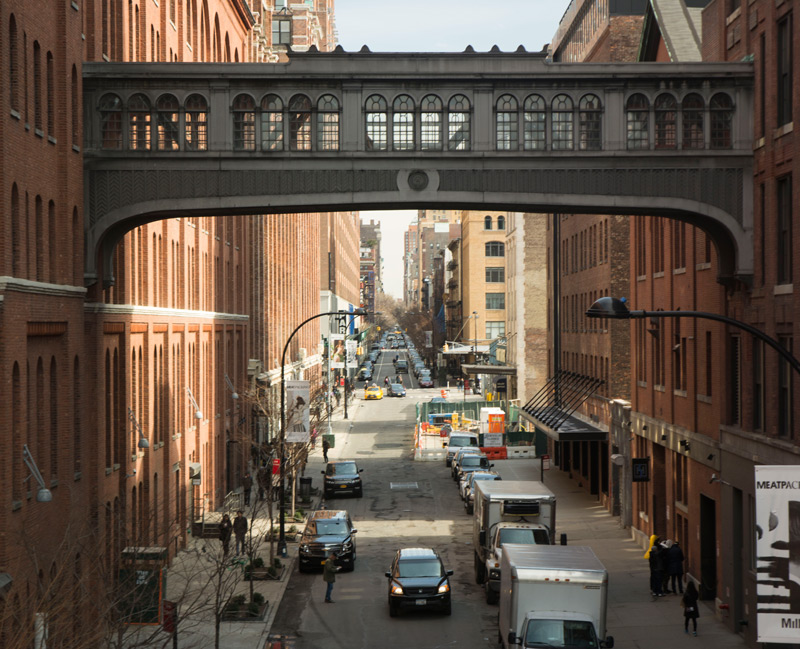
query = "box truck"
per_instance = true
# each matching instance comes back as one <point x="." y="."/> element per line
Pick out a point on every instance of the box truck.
<point x="553" y="596"/>
<point x="509" y="511"/>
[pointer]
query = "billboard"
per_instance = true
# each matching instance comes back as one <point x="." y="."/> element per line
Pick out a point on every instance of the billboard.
<point x="337" y="351"/>
<point x="298" y="416"/>
<point x="777" y="528"/>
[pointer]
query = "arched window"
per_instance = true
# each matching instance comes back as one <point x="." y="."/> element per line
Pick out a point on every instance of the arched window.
<point x="692" y="108"/>
<point x="431" y="123"/>
<point x="167" y="110"/>
<point x="495" y="249"/>
<point x="111" y="121"/>
<point x="271" y="123"/>
<point x="16" y="234"/>
<point x="196" y="135"/>
<point x="328" y="123"/>
<point x="501" y="222"/>
<point x="487" y="222"/>
<point x="637" y="111"/>
<point x="721" y="106"/>
<point x="138" y="123"/>
<point x="50" y="100"/>
<point x="403" y="123"/>
<point x="562" y="125"/>
<point x="377" y="116"/>
<point x="75" y="118"/>
<point x="533" y="117"/>
<point x="13" y="64"/>
<point x="590" y="123"/>
<point x="244" y="123"/>
<point x="507" y="123"/>
<point x="666" y="125"/>
<point x="37" y="86"/>
<point x="458" y="124"/>
<point x="300" y="123"/>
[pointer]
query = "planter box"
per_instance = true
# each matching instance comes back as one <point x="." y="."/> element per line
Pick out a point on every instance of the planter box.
<point x="258" y="574"/>
<point x="243" y="615"/>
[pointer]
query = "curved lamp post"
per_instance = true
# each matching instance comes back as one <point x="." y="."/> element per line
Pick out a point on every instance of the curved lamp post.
<point x="282" y="536"/>
<point x="617" y="309"/>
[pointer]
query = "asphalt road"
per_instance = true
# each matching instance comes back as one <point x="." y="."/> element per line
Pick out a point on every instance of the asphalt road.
<point x="405" y="504"/>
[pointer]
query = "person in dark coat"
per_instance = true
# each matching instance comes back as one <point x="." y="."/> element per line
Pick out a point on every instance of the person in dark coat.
<point x="675" y="567"/>
<point x="247" y="485"/>
<point x="225" y="530"/>
<point x="329" y="571"/>
<point x="656" y="570"/>
<point x="240" y="530"/>
<point x="690" y="611"/>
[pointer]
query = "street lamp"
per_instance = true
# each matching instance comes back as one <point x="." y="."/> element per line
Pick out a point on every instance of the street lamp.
<point x="617" y="309"/>
<point x="281" y="488"/>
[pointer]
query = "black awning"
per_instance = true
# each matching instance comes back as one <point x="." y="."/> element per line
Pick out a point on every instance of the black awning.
<point x="551" y="408"/>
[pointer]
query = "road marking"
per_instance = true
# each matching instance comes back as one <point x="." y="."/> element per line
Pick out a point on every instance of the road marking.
<point x="403" y="485"/>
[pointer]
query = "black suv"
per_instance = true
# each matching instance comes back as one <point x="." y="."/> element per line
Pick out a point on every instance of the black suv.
<point x="418" y="580"/>
<point x="328" y="531"/>
<point x="342" y="477"/>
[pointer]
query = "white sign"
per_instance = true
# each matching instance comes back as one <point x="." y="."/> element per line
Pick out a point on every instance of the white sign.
<point x="298" y="415"/>
<point x="777" y="527"/>
<point x="337" y="351"/>
<point x="352" y="351"/>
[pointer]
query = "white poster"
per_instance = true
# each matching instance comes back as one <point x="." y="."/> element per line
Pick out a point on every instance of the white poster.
<point x="429" y="339"/>
<point x="298" y="416"/>
<point x="778" y="553"/>
<point x="352" y="351"/>
<point x="337" y="351"/>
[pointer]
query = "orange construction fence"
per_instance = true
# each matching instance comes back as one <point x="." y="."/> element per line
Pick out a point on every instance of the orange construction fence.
<point x="495" y="452"/>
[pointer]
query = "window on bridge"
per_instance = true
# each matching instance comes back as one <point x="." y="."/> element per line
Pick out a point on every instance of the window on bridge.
<point x="403" y="123"/>
<point x="637" y="113"/>
<point x="458" y="124"/>
<point x="196" y="123"/>
<point x="666" y="121"/>
<point x="377" y="116"/>
<point x="507" y="123"/>
<point x="534" y="123"/>
<point x="562" y="123"/>
<point x="300" y="123"/>
<point x="721" y="121"/>
<point x="692" y="109"/>
<point x="590" y="117"/>
<point x="244" y="123"/>
<point x="139" y="122"/>
<point x="271" y="123"/>
<point x="328" y="123"/>
<point x="431" y="123"/>
<point x="167" y="113"/>
<point x="111" y="121"/>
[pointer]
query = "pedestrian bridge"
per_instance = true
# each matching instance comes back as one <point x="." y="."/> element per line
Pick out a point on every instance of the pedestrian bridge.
<point x="355" y="131"/>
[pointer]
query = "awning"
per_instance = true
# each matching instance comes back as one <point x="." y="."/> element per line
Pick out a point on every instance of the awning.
<point x="506" y="370"/>
<point x="552" y="408"/>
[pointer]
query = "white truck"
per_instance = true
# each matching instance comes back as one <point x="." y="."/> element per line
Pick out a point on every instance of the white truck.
<point x="553" y="596"/>
<point x="455" y="441"/>
<point x="509" y="511"/>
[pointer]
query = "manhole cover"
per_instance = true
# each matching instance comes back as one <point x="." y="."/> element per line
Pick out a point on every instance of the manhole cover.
<point x="403" y="485"/>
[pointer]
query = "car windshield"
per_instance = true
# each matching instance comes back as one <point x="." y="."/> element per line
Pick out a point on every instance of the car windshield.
<point x="569" y="634"/>
<point x="519" y="535"/>
<point x="462" y="441"/>
<point x="397" y="387"/>
<point x="329" y="526"/>
<point x="419" y="568"/>
<point x="342" y="468"/>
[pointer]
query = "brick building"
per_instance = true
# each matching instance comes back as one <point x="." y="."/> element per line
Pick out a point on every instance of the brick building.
<point x="199" y="304"/>
<point x="433" y="230"/>
<point x="371" y="263"/>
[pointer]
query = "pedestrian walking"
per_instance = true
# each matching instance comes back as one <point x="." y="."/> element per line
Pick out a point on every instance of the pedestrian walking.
<point x="263" y="482"/>
<point x="665" y="546"/>
<point x="240" y="531"/>
<point x="329" y="571"/>
<point x="675" y="567"/>
<point x="656" y="570"/>
<point x="325" y="446"/>
<point x="225" y="530"/>
<point x="690" y="612"/>
<point x="247" y="486"/>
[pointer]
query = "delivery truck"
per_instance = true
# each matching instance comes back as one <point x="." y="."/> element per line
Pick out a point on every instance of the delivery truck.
<point x="553" y="596"/>
<point x="509" y="511"/>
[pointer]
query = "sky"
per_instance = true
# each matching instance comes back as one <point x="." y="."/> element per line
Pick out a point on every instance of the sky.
<point x="438" y="26"/>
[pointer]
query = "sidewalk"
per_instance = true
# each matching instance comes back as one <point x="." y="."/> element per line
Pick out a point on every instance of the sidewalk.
<point x="635" y="619"/>
<point x="191" y="573"/>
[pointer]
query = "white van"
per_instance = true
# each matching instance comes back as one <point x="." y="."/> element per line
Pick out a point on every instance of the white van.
<point x="456" y="440"/>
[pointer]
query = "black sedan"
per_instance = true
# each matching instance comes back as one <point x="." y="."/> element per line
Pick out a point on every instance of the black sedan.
<point x="396" y="390"/>
<point x="418" y="580"/>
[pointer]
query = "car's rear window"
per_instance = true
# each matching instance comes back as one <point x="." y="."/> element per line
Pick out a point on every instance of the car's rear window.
<point x="462" y="441"/>
<point x="342" y="468"/>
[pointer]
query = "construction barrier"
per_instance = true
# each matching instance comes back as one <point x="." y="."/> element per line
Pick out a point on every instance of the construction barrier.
<point x="519" y="452"/>
<point x="429" y="454"/>
<point x="494" y="452"/>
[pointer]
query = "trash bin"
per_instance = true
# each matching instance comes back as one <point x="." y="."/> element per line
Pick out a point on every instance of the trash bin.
<point x="331" y="439"/>
<point x="305" y="488"/>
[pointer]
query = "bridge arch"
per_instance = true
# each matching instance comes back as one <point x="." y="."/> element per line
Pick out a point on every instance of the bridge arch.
<point x="373" y="131"/>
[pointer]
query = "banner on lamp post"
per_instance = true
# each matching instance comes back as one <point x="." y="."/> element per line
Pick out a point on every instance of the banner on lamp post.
<point x="337" y="351"/>
<point x="298" y="416"/>
<point x="429" y="339"/>
<point x="352" y="349"/>
<point x="777" y="528"/>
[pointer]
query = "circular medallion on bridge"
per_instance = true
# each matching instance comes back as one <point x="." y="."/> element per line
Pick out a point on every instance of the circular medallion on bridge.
<point x="418" y="180"/>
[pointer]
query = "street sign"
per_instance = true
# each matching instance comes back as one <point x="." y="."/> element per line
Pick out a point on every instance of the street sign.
<point x="640" y="469"/>
<point x="500" y="385"/>
<point x="276" y="466"/>
<point x="545" y="462"/>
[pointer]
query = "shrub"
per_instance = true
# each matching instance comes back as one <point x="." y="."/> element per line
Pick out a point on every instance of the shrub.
<point x="258" y="598"/>
<point x="238" y="600"/>
<point x="272" y="571"/>
<point x="276" y="563"/>
<point x="253" y="608"/>
<point x="258" y="562"/>
<point x="293" y="529"/>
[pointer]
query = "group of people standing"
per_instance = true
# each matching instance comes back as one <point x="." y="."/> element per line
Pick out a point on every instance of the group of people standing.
<point x="666" y="570"/>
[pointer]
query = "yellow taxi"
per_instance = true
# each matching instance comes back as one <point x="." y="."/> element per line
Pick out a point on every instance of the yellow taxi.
<point x="373" y="392"/>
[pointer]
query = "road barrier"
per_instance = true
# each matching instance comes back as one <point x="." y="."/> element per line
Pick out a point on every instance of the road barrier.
<point x="495" y="452"/>
<point x="518" y="452"/>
